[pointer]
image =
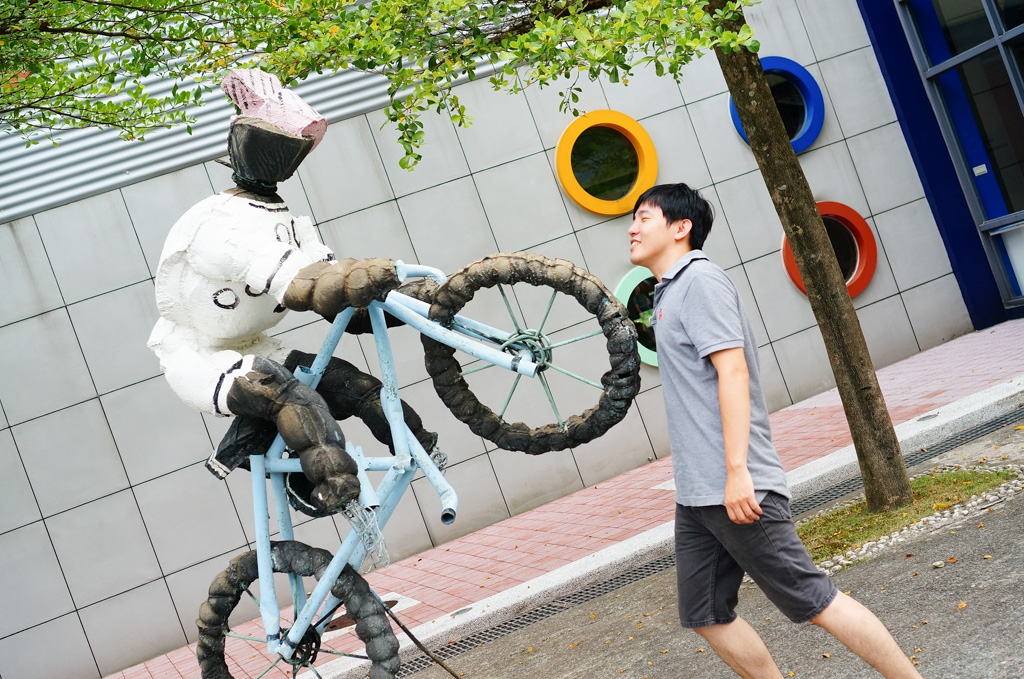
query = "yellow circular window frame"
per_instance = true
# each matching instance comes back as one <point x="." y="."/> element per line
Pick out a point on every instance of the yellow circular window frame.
<point x="637" y="136"/>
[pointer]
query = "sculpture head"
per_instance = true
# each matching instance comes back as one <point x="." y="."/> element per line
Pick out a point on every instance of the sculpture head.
<point x="275" y="132"/>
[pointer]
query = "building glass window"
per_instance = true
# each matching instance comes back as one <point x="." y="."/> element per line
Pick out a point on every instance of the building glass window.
<point x="971" y="53"/>
<point x="605" y="163"/>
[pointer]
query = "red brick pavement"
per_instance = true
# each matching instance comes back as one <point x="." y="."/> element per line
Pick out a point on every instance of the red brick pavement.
<point x="495" y="558"/>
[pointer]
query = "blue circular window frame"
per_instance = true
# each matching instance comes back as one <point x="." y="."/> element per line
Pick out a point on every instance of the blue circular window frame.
<point x="809" y="89"/>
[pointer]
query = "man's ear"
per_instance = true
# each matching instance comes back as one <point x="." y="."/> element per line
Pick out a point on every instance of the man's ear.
<point x="681" y="229"/>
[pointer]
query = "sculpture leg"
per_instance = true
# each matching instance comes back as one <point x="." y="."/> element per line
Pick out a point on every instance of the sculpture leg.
<point x="348" y="391"/>
<point x="270" y="392"/>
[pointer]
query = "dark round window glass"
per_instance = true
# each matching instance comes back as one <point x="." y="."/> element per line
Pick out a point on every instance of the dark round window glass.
<point x="844" y="244"/>
<point x="789" y="101"/>
<point x="605" y="163"/>
<point x="640" y="307"/>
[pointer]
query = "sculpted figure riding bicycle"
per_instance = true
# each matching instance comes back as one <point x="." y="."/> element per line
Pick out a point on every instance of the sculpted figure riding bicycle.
<point x="235" y="263"/>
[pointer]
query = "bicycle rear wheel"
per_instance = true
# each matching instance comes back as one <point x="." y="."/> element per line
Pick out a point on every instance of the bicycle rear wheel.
<point x="543" y="299"/>
<point x="372" y="626"/>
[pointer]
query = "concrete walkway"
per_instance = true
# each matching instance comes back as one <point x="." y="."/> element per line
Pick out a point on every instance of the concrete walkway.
<point x="478" y="579"/>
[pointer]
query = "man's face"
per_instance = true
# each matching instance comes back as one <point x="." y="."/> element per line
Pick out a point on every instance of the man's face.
<point x="650" y="236"/>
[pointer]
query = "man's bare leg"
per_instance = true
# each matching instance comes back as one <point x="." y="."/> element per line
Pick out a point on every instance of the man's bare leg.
<point x="862" y="632"/>
<point x="741" y="647"/>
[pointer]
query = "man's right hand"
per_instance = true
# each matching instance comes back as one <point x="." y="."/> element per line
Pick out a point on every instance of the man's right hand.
<point x="740" y="501"/>
<point x="329" y="287"/>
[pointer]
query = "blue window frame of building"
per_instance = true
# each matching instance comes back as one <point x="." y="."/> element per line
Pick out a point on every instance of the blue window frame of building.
<point x="789" y="81"/>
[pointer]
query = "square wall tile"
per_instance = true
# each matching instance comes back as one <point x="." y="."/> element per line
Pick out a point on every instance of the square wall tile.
<point x="406" y="350"/>
<point x="502" y="128"/>
<point x="344" y="173"/>
<point x="624" y="447"/>
<point x="885" y="168"/>
<point x="937" y="312"/>
<point x="679" y="155"/>
<point x="156" y="204"/>
<point x="190" y="517"/>
<point x="739" y="278"/>
<point x="31" y="653"/>
<point x="113" y="329"/>
<point x="643" y="94"/>
<point x="103" y="548"/>
<point x="442" y="160"/>
<point x="804" y="364"/>
<point x="651" y="407"/>
<point x="725" y="152"/>
<point x="529" y="481"/>
<point x="70" y="457"/>
<point x="155" y="432"/>
<point x="830" y="132"/>
<point x="777" y="25"/>
<point x="17" y="503"/>
<point x="833" y="27"/>
<point x="912" y="241"/>
<point x="40" y="593"/>
<point x="544" y="105"/>
<point x="773" y="385"/>
<point x="145" y="615"/>
<point x="720" y="244"/>
<point x="702" y="78"/>
<point x="522" y="203"/>
<point x="784" y="309"/>
<point x="887" y="331"/>
<point x="25" y="274"/>
<point x="43" y="367"/>
<point x="832" y="175"/>
<point x="378" y="231"/>
<point x="92" y="246"/>
<point x="454" y="437"/>
<point x="480" y="500"/>
<point x="447" y="225"/>
<point x="862" y="107"/>
<point x="752" y="217"/>
<point x="606" y="249"/>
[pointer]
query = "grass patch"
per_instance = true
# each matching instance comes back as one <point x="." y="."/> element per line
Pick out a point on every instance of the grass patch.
<point x="850" y="526"/>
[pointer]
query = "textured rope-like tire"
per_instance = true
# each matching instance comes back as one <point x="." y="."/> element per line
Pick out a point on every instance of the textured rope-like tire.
<point x="620" y="383"/>
<point x="372" y="625"/>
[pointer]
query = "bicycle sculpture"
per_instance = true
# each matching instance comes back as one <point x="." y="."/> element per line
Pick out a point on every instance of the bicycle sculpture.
<point x="234" y="264"/>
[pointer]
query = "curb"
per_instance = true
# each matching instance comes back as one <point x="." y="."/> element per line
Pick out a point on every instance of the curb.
<point x="921" y="432"/>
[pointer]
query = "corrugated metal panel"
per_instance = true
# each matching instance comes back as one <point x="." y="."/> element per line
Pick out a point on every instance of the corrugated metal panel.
<point x="88" y="162"/>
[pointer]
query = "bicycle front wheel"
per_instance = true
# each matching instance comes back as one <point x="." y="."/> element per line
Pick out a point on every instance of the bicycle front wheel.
<point x="372" y="626"/>
<point x="575" y="330"/>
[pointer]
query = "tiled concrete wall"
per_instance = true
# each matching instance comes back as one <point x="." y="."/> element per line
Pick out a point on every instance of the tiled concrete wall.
<point x="110" y="528"/>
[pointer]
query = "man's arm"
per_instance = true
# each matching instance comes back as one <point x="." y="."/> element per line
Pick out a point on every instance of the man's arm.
<point x="734" y="404"/>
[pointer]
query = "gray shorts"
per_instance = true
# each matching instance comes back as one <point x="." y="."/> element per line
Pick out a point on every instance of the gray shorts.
<point x="712" y="553"/>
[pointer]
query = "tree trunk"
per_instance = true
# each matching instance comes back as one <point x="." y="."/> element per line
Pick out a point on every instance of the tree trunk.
<point x="878" y="450"/>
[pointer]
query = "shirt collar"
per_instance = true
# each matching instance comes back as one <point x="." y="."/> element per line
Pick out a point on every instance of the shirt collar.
<point x="682" y="263"/>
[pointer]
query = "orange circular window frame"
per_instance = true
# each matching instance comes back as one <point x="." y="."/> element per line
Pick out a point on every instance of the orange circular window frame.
<point x="647" y="159"/>
<point x="867" y="249"/>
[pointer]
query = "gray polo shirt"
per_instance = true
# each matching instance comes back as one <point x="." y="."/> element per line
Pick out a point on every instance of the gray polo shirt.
<point x="698" y="311"/>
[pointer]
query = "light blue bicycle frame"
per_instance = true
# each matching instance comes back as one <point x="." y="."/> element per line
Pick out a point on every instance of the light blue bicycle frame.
<point x="408" y="458"/>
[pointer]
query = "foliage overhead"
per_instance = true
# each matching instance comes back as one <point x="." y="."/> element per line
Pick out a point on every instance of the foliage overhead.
<point x="84" y="63"/>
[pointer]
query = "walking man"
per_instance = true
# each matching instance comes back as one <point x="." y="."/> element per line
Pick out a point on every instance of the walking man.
<point x="732" y="501"/>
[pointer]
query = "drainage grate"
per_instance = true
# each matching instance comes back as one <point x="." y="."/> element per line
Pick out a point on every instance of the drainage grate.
<point x="660" y="564"/>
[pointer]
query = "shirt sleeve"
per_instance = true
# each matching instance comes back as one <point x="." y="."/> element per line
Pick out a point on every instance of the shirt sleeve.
<point x="711" y="313"/>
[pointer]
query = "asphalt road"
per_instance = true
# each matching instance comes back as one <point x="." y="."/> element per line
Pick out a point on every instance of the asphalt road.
<point x="962" y="621"/>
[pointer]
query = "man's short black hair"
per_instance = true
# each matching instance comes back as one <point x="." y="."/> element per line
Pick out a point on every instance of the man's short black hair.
<point x="679" y="201"/>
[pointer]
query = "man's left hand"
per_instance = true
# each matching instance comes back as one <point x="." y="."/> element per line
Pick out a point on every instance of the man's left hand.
<point x="740" y="501"/>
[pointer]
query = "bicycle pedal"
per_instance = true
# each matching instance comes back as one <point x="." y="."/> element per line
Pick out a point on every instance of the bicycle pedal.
<point x="216" y="468"/>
